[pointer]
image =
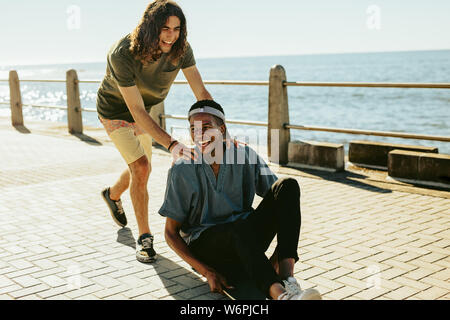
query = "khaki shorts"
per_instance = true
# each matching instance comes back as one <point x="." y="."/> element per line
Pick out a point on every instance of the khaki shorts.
<point x="131" y="141"/>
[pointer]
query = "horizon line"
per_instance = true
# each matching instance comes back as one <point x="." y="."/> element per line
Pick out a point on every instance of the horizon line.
<point x="235" y="57"/>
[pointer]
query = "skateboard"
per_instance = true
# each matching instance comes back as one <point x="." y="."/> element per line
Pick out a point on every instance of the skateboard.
<point x="243" y="287"/>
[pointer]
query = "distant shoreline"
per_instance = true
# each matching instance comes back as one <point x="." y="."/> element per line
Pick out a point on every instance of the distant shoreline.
<point x="234" y="57"/>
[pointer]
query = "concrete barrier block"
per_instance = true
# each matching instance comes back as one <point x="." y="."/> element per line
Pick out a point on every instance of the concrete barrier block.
<point x="435" y="167"/>
<point x="316" y="155"/>
<point x="373" y="154"/>
<point x="403" y="164"/>
<point x="420" y="167"/>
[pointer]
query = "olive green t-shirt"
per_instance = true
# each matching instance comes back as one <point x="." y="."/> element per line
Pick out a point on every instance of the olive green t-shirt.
<point x="123" y="69"/>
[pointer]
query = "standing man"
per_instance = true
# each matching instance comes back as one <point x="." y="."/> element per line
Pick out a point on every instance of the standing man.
<point x="141" y="67"/>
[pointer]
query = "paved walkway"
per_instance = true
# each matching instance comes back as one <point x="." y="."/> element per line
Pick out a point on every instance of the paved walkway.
<point x="359" y="239"/>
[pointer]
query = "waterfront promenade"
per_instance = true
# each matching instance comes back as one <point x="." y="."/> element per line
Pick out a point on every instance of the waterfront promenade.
<point x="362" y="236"/>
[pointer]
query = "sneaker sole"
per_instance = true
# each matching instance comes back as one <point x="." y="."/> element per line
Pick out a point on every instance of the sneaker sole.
<point x="311" y="294"/>
<point x="146" y="260"/>
<point x="111" y="212"/>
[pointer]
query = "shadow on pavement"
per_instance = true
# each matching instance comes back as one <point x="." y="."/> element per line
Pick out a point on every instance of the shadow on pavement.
<point x="125" y="237"/>
<point x="345" y="177"/>
<point x="22" y="129"/>
<point x="196" y="286"/>
<point x="87" y="139"/>
<point x="170" y="273"/>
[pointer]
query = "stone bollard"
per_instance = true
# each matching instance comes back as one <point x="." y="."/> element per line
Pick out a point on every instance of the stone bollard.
<point x="15" y="99"/>
<point x="74" y="115"/>
<point x="278" y="115"/>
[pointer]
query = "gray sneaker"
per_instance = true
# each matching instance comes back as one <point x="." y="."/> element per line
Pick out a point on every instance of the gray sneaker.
<point x="116" y="209"/>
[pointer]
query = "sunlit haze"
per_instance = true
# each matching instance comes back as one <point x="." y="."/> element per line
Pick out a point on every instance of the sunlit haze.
<point x="57" y="31"/>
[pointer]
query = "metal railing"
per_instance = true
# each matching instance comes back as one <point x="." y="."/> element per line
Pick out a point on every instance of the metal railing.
<point x="369" y="85"/>
<point x="371" y="133"/>
<point x="278" y="107"/>
<point x="231" y="121"/>
<point x="424" y="85"/>
<point x="49" y="107"/>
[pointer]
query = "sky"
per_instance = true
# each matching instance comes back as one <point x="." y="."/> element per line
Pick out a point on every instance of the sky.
<point x="66" y="31"/>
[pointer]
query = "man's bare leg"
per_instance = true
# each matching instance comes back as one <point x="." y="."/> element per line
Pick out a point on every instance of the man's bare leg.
<point x="274" y="261"/>
<point x="140" y="171"/>
<point x="120" y="186"/>
<point x="285" y="267"/>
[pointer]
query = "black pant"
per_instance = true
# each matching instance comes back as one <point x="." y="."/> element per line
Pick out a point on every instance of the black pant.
<point x="245" y="241"/>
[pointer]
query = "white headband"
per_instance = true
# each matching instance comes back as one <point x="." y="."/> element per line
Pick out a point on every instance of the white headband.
<point x="209" y="110"/>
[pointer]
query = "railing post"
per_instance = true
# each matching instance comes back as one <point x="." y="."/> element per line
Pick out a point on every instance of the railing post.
<point x="155" y="112"/>
<point x="277" y="135"/>
<point x="74" y="116"/>
<point x="15" y="99"/>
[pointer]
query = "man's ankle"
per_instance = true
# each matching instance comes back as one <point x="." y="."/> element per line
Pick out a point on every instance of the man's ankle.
<point x="286" y="276"/>
<point x="113" y="196"/>
<point x="276" y="289"/>
<point x="144" y="232"/>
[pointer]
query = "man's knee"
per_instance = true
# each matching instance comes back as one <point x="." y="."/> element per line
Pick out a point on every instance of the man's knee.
<point x="287" y="185"/>
<point x="140" y="169"/>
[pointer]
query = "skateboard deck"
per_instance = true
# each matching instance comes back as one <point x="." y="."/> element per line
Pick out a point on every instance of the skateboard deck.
<point x="243" y="287"/>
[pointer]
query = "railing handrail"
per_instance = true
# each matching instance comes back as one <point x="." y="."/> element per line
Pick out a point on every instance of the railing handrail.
<point x="229" y="82"/>
<point x="417" y="85"/>
<point x="404" y="135"/>
<point x="48" y="106"/>
<point x="232" y="121"/>
<point x="393" y="134"/>
<point x="216" y="82"/>
<point x="76" y="106"/>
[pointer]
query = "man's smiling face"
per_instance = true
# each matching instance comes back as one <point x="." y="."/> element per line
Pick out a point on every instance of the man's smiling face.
<point x="170" y="33"/>
<point x="205" y="132"/>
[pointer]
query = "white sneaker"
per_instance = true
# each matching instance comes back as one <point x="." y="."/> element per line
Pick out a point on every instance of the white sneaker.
<point x="310" y="294"/>
<point x="287" y="296"/>
<point x="291" y="285"/>
<point x="294" y="292"/>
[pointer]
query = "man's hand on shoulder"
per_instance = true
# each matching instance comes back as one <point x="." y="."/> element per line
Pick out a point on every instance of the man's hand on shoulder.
<point x="179" y="150"/>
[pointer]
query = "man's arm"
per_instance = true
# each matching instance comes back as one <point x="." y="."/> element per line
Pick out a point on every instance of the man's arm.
<point x="174" y="240"/>
<point x="195" y="81"/>
<point x="135" y="104"/>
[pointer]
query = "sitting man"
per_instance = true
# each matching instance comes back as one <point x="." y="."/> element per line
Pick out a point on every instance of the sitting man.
<point x="210" y="219"/>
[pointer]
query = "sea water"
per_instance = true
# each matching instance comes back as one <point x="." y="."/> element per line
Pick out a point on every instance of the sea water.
<point x="421" y="111"/>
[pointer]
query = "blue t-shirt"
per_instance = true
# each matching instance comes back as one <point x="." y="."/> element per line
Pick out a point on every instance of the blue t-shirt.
<point x="198" y="201"/>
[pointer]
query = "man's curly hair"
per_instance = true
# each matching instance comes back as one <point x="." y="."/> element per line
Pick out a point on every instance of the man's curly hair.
<point x="145" y="37"/>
